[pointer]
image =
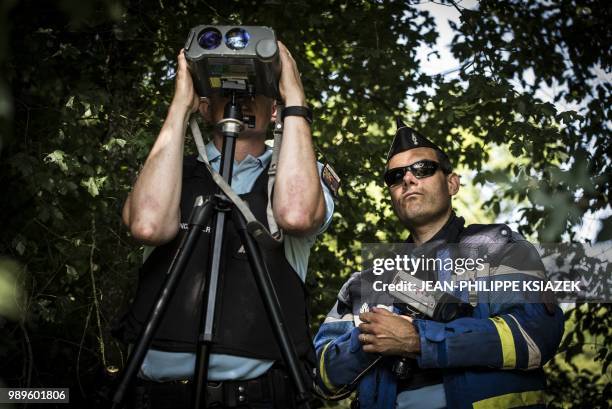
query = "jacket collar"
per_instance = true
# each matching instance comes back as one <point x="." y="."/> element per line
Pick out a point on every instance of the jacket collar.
<point x="449" y="233"/>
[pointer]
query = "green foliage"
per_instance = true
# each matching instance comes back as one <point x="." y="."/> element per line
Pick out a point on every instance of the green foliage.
<point x="580" y="374"/>
<point x="85" y="90"/>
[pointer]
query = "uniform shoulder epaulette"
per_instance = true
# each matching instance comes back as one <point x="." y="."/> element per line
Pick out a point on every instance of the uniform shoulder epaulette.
<point x="488" y="233"/>
<point x="490" y="239"/>
<point x="500" y="243"/>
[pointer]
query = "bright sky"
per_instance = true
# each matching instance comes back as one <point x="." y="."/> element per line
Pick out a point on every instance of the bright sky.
<point x="442" y="14"/>
<point x="446" y="63"/>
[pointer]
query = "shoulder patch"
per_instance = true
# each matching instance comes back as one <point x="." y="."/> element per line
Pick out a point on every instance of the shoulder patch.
<point x="364" y="308"/>
<point x="331" y="180"/>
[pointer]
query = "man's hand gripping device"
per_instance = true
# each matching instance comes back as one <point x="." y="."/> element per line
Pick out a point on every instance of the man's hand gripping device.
<point x="438" y="306"/>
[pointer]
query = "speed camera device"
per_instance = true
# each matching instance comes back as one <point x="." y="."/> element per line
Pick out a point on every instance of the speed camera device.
<point x="243" y="60"/>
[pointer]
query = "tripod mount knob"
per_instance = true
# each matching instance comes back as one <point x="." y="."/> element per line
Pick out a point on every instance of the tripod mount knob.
<point x="231" y="125"/>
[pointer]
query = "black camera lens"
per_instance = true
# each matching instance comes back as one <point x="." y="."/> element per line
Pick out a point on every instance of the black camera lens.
<point x="237" y="38"/>
<point x="210" y="38"/>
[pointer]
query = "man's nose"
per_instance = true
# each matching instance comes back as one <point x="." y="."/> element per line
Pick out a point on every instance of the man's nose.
<point x="409" y="179"/>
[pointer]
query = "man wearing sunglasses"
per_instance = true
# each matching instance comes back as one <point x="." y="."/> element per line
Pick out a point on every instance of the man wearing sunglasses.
<point x="491" y="356"/>
<point x="421" y="184"/>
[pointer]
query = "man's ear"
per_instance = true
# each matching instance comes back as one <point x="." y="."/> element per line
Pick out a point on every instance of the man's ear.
<point x="205" y="109"/>
<point x="453" y="180"/>
<point x="274" y="112"/>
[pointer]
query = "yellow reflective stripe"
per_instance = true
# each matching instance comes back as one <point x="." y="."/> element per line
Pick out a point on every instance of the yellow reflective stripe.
<point x="323" y="372"/>
<point x="511" y="400"/>
<point x="534" y="356"/>
<point x="507" y="342"/>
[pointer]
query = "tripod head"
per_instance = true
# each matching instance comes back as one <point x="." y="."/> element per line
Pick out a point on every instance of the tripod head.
<point x="231" y="125"/>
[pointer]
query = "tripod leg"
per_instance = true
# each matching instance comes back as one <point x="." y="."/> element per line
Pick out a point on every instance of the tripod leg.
<point x="201" y="213"/>
<point x="206" y="335"/>
<point x="270" y="299"/>
<point x="232" y="125"/>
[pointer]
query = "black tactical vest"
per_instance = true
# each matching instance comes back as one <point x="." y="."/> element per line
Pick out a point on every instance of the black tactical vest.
<point x="242" y="325"/>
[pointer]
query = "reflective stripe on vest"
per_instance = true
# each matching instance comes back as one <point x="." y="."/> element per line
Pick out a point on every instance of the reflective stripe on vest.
<point x="507" y="342"/>
<point x="511" y="400"/>
<point x="323" y="372"/>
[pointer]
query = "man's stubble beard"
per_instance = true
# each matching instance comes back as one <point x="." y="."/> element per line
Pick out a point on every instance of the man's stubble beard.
<point x="422" y="215"/>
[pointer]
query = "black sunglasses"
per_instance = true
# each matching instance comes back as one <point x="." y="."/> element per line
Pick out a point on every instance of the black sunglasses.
<point x="420" y="170"/>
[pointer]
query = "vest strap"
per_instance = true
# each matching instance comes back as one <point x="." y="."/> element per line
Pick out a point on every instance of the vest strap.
<point x="268" y="239"/>
<point x="275" y="231"/>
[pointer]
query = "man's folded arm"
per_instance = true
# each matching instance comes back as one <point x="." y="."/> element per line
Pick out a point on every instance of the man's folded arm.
<point x="523" y="338"/>
<point x="517" y="330"/>
<point x="340" y="357"/>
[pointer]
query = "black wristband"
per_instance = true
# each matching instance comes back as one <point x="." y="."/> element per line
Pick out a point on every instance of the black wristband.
<point x="304" y="112"/>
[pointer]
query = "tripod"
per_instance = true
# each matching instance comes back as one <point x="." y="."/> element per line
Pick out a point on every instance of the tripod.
<point x="203" y="209"/>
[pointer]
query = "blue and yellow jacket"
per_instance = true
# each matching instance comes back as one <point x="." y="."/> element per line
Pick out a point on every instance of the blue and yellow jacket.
<point x="491" y="359"/>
